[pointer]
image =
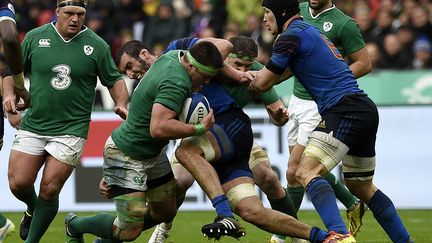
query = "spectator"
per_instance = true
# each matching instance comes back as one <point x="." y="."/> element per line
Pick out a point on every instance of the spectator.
<point x="394" y="56"/>
<point x="421" y="23"/>
<point x="383" y="27"/>
<point x="164" y="27"/>
<point x="422" y="54"/>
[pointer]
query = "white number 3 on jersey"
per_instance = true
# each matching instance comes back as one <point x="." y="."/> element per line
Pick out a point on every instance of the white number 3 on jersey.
<point x="62" y="81"/>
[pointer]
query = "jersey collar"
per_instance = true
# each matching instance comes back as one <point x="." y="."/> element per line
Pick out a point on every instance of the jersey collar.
<point x="67" y="41"/>
<point x="314" y="17"/>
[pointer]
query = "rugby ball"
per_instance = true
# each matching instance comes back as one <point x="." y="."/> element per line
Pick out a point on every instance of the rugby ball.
<point x="194" y="109"/>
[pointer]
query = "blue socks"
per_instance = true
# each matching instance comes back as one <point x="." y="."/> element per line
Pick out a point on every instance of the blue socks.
<point x="317" y="235"/>
<point x="220" y="203"/>
<point x="324" y="201"/>
<point x="385" y="213"/>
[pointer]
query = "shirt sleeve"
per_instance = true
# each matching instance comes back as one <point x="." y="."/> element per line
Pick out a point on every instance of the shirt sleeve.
<point x="284" y="49"/>
<point x="351" y="37"/>
<point x="107" y="70"/>
<point x="171" y="94"/>
<point x="181" y="44"/>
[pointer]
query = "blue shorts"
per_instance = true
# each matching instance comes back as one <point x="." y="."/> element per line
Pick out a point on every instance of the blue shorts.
<point x="354" y="121"/>
<point x="233" y="132"/>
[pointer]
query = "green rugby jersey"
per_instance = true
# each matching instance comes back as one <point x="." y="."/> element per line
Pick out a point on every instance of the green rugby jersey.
<point x="166" y="83"/>
<point x="241" y="94"/>
<point x="341" y="29"/>
<point x="63" y="76"/>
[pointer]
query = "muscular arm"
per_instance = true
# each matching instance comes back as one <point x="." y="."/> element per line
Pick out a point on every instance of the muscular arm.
<point x="164" y="125"/>
<point x="11" y="46"/>
<point x="361" y="63"/>
<point x="120" y="96"/>
<point x="264" y="80"/>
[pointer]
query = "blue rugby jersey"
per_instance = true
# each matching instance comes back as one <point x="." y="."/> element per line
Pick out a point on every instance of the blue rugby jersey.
<point x="315" y="61"/>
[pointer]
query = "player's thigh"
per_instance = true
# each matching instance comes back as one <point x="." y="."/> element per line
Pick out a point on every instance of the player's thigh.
<point x="184" y="179"/>
<point x="205" y="145"/>
<point x="66" y="148"/>
<point x="26" y="158"/>
<point x="161" y="198"/>
<point x="322" y="153"/>
<point x="54" y="176"/>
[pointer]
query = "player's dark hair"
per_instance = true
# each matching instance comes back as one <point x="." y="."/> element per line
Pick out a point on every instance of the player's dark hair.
<point x="207" y="53"/>
<point x="133" y="49"/>
<point x="244" y="46"/>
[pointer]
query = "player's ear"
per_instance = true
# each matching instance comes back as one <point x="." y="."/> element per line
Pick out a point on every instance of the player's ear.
<point x="144" y="54"/>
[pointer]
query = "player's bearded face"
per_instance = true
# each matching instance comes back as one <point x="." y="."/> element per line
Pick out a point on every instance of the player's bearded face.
<point x="317" y="4"/>
<point x="70" y="20"/>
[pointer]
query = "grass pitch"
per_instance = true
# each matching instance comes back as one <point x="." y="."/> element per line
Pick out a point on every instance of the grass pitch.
<point x="187" y="228"/>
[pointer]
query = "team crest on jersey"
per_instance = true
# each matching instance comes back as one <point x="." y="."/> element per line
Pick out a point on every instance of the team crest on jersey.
<point x="45" y="43"/>
<point x="327" y="26"/>
<point x="11" y="8"/>
<point x="88" y="50"/>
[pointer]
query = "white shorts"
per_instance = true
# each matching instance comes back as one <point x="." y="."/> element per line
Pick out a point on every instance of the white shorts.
<point x="303" y="118"/>
<point x="65" y="148"/>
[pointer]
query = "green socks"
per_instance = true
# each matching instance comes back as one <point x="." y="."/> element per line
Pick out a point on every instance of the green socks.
<point x="2" y="221"/>
<point x="148" y="222"/>
<point x="342" y="193"/>
<point x="296" y="194"/>
<point x="99" y="225"/>
<point x="30" y="199"/>
<point x="284" y="205"/>
<point x="43" y="215"/>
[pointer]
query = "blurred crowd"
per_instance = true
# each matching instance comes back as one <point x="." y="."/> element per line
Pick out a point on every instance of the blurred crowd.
<point x="398" y="33"/>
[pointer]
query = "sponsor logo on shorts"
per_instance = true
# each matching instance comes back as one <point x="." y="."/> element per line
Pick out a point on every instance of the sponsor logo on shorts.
<point x="322" y="124"/>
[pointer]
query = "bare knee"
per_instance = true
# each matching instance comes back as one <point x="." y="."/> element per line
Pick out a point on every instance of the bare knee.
<point x="291" y="176"/>
<point x="250" y="214"/>
<point x="49" y="190"/>
<point x="19" y="184"/>
<point x="267" y="181"/>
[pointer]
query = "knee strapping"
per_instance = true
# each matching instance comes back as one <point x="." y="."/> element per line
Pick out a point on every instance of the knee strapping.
<point x="326" y="149"/>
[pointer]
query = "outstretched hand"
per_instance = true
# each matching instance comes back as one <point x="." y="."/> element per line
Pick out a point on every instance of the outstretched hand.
<point x="279" y="115"/>
<point x="11" y="101"/>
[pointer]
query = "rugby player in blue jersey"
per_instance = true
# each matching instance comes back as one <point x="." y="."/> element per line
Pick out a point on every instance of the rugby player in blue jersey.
<point x="349" y="123"/>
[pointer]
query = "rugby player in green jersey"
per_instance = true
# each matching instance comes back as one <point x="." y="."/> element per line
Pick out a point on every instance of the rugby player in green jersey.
<point x="63" y="61"/>
<point x="136" y="168"/>
<point x="345" y="34"/>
